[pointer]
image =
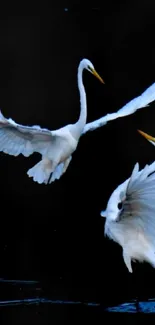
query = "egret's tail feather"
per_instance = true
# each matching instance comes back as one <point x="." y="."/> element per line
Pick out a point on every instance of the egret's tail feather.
<point x="45" y="172"/>
<point x="41" y="171"/>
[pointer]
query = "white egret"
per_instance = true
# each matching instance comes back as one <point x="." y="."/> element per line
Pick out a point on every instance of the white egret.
<point x="130" y="216"/>
<point x="56" y="147"/>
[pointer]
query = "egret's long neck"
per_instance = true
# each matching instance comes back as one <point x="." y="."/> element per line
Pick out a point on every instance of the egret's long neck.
<point x="83" y="103"/>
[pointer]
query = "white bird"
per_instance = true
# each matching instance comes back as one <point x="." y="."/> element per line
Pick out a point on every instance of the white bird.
<point x="56" y="147"/>
<point x="130" y="216"/>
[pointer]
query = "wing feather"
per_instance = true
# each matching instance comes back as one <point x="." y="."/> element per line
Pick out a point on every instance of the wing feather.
<point x="139" y="204"/>
<point x="18" y="139"/>
<point x="141" y="101"/>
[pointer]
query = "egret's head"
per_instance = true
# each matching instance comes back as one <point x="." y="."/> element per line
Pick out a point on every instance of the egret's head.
<point x="86" y="64"/>
<point x="115" y="203"/>
<point x="147" y="137"/>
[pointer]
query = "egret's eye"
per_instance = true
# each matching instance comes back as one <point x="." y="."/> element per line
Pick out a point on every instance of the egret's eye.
<point x="120" y="205"/>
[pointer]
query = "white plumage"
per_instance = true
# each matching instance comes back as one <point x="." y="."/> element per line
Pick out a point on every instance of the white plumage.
<point x="132" y="225"/>
<point x="56" y="147"/>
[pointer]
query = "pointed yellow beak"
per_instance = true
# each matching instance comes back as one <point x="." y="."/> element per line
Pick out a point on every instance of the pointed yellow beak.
<point x="97" y="76"/>
<point x="146" y="136"/>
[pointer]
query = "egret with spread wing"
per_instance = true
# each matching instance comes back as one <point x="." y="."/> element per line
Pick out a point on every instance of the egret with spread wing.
<point x="56" y="147"/>
<point x="131" y="107"/>
<point x="130" y="216"/>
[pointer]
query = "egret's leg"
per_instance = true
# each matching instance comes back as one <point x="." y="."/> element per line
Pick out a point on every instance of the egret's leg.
<point x="54" y="165"/>
<point x="127" y="261"/>
<point x="48" y="182"/>
<point x="137" y="291"/>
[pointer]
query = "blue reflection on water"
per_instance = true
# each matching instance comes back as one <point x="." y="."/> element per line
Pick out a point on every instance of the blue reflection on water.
<point x="143" y="306"/>
<point x="123" y="308"/>
<point x="130" y="307"/>
<point x="44" y="301"/>
<point x="19" y="281"/>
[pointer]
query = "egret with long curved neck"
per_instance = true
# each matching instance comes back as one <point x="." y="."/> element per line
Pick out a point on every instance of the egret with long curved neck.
<point x="56" y="147"/>
<point x="84" y="64"/>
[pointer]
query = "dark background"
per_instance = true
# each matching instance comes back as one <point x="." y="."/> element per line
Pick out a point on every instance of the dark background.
<point x="54" y="234"/>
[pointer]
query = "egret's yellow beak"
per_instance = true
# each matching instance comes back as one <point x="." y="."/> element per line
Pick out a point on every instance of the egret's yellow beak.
<point x="146" y="136"/>
<point x="97" y="76"/>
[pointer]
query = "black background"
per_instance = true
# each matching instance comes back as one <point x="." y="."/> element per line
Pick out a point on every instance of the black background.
<point x="54" y="233"/>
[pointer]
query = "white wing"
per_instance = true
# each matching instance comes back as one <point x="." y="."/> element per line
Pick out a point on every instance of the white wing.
<point x="139" y="205"/>
<point x="143" y="100"/>
<point x="17" y="139"/>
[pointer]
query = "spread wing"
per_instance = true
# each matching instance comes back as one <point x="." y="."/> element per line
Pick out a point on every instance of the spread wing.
<point x="17" y="139"/>
<point x="139" y="204"/>
<point x="141" y="101"/>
